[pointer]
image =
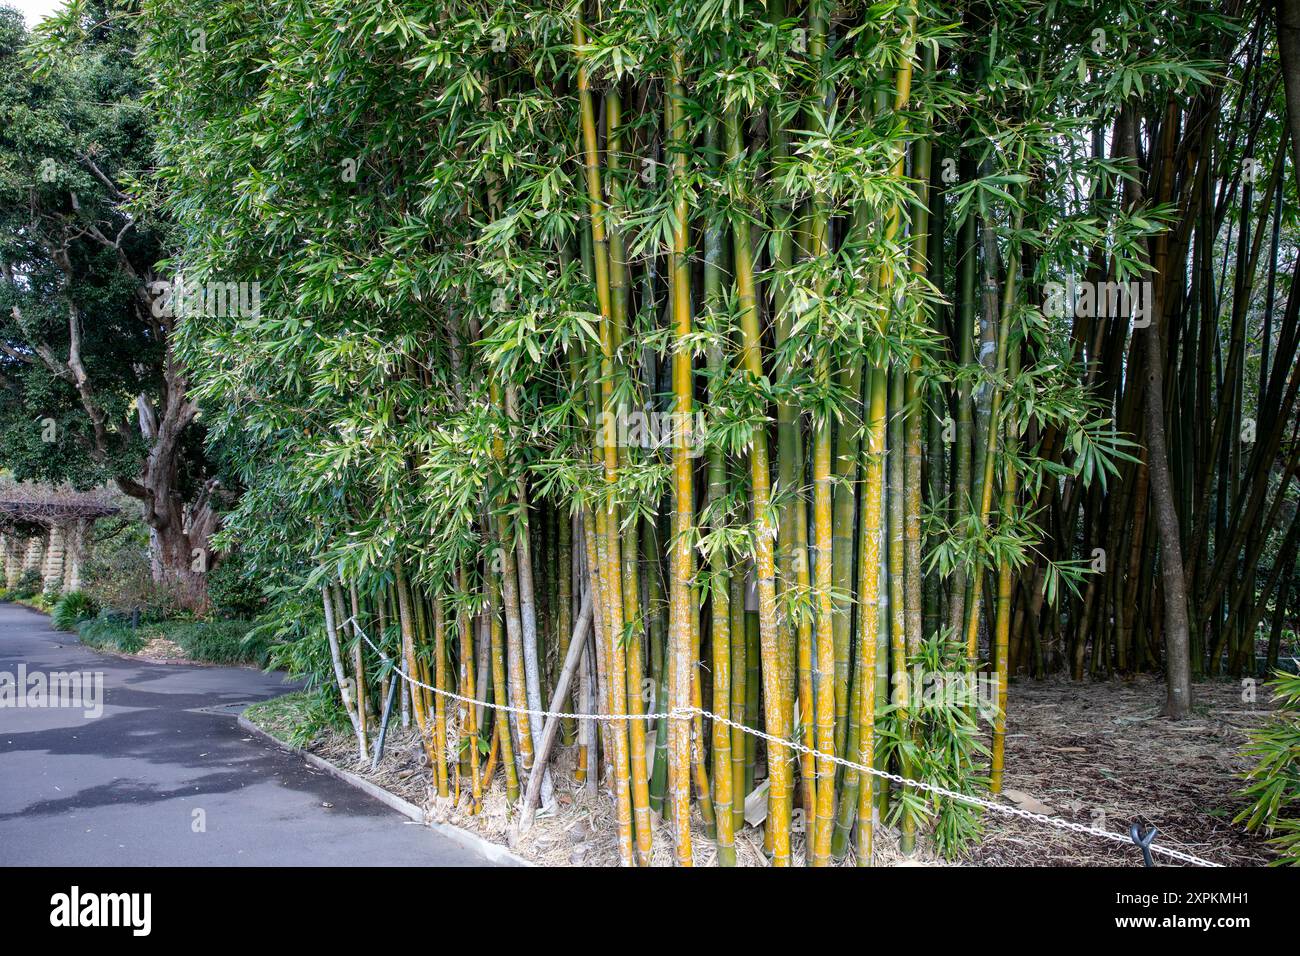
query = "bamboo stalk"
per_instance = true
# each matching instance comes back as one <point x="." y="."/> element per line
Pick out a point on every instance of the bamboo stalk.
<point x="551" y="728"/>
<point x="564" y="609"/>
<point x="739" y="695"/>
<point x="631" y="635"/>
<point x="869" y="594"/>
<point x="500" y="694"/>
<point x="776" y="719"/>
<point x="439" y="701"/>
<point x="681" y="625"/>
<point x="406" y="618"/>
<point x="1002" y="628"/>
<point x="468" y="719"/>
<point x="329" y="595"/>
<point x="359" y="668"/>
<point x="719" y="576"/>
<point x="819" y="246"/>
<point x="608" y="517"/>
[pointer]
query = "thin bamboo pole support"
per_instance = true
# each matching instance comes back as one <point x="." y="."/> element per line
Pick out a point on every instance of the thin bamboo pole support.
<point x="577" y="645"/>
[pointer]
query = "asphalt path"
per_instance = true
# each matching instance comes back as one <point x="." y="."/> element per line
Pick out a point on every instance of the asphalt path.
<point x="165" y="776"/>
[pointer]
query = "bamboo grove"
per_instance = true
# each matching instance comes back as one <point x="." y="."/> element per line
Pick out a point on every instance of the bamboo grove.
<point x="747" y="360"/>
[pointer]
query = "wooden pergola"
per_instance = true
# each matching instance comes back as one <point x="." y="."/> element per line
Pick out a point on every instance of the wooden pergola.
<point x="44" y="528"/>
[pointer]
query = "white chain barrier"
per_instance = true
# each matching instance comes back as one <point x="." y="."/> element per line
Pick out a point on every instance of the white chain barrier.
<point x="687" y="713"/>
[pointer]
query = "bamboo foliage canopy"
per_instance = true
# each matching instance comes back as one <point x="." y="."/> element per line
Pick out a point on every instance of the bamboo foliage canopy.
<point x="737" y="323"/>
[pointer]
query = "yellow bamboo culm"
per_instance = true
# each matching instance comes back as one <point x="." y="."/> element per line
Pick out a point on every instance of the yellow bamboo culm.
<point x="681" y="623"/>
<point x="616" y="677"/>
<point x="904" y="498"/>
<point x="468" y="715"/>
<point x="869" y="616"/>
<point x="504" y="741"/>
<point x="440" y="702"/>
<point x="1002" y="626"/>
<point x="776" y="715"/>
<point x="627" y="544"/>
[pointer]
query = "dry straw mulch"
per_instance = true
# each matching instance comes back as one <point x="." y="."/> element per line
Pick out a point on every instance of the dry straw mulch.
<point x="1101" y="754"/>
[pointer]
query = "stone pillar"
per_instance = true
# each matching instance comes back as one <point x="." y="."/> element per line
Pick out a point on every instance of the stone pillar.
<point x="52" y="571"/>
<point x="75" y="539"/>
<point x="13" y="557"/>
<point x="35" y="553"/>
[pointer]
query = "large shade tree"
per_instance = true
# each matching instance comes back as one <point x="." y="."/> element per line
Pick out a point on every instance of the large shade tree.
<point x="90" y="389"/>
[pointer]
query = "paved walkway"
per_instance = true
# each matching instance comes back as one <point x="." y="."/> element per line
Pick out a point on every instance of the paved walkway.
<point x="121" y="789"/>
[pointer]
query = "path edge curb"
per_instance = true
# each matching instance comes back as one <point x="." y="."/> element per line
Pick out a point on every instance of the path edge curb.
<point x="492" y="852"/>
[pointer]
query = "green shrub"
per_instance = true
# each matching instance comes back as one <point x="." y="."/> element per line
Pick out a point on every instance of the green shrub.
<point x="29" y="585"/>
<point x="221" y="642"/>
<point x="233" y="591"/>
<point x="111" y="632"/>
<point x="1273" y="785"/>
<point x="71" y="609"/>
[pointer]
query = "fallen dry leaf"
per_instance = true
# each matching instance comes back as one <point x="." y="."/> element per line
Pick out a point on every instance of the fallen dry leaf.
<point x="1025" y="802"/>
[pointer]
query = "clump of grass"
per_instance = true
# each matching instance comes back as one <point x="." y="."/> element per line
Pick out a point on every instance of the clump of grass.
<point x="213" y="642"/>
<point x="108" y="632"/>
<point x="71" y="609"/>
<point x="220" y="642"/>
<point x="296" y="718"/>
